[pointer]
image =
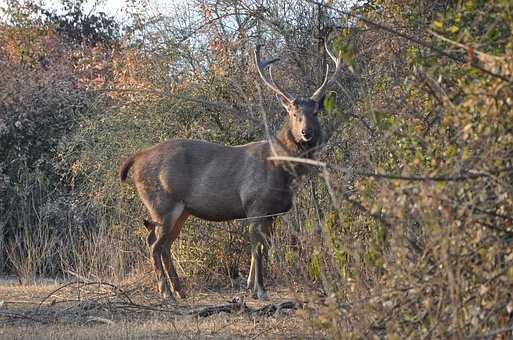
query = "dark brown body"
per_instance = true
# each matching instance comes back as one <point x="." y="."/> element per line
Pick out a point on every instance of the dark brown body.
<point x="214" y="182"/>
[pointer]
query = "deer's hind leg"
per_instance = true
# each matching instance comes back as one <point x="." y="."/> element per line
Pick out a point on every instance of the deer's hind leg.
<point x="167" y="259"/>
<point x="158" y="248"/>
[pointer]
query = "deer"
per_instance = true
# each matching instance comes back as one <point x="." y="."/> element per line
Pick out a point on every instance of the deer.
<point x="180" y="178"/>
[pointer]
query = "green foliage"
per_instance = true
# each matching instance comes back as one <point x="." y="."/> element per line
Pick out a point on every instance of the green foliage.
<point x="445" y="119"/>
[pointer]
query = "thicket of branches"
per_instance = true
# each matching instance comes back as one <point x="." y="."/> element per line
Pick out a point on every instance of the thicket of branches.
<point x="406" y="230"/>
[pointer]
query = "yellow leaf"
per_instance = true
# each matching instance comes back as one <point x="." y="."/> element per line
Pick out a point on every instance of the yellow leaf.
<point x="438" y="24"/>
<point x="454" y="29"/>
<point x="451" y="150"/>
<point x="510" y="274"/>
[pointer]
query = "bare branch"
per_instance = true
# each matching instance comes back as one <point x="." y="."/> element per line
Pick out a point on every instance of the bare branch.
<point x="444" y="178"/>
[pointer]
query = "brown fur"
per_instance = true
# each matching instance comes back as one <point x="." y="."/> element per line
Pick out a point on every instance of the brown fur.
<point x="123" y="170"/>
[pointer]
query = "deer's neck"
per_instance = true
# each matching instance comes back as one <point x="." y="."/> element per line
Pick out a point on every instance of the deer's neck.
<point x="285" y="145"/>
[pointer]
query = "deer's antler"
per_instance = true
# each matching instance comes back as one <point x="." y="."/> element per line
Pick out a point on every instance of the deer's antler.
<point x="261" y="66"/>
<point x="317" y="96"/>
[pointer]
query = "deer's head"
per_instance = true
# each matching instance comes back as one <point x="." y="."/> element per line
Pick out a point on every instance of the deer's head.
<point x="302" y="112"/>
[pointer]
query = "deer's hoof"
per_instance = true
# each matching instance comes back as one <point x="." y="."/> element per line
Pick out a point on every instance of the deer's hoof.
<point x="262" y="295"/>
<point x="181" y="295"/>
<point x="259" y="295"/>
<point x="167" y="296"/>
<point x="250" y="284"/>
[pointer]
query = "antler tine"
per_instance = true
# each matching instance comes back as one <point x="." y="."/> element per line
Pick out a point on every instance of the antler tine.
<point x="271" y="78"/>
<point x="329" y="52"/>
<point x="326" y="75"/>
<point x="261" y="66"/>
<point x="317" y="96"/>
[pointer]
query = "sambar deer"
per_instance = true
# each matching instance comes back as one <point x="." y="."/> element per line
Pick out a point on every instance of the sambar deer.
<point x="183" y="177"/>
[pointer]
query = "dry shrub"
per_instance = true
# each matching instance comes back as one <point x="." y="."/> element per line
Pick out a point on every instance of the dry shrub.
<point x="425" y="252"/>
<point x="43" y="228"/>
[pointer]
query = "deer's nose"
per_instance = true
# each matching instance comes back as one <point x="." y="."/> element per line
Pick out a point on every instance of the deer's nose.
<point x="307" y="134"/>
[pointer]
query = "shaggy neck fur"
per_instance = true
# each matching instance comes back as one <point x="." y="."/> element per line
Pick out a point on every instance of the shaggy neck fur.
<point x="285" y="145"/>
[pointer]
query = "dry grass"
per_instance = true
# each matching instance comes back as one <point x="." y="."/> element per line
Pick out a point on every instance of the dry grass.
<point x="131" y="309"/>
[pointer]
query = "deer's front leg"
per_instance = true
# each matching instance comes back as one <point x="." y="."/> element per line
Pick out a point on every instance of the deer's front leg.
<point x="259" y="244"/>
<point x="251" y="275"/>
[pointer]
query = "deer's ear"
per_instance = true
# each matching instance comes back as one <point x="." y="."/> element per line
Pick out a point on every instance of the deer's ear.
<point x="320" y="103"/>
<point x="287" y="105"/>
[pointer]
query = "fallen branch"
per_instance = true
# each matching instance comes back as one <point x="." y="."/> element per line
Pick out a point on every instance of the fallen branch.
<point x="274" y="308"/>
<point x="14" y="315"/>
<point x="82" y="308"/>
<point x="89" y="306"/>
<point x="238" y="305"/>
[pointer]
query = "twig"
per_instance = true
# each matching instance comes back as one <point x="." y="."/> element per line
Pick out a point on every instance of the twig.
<point x="53" y="292"/>
<point x="483" y="55"/>
<point x="83" y="284"/>
<point x="443" y="178"/>
<point x="76" y="275"/>
<point x="258" y="217"/>
<point x="493" y="333"/>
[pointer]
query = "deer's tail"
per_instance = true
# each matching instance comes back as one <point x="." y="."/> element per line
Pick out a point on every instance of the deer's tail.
<point x="123" y="171"/>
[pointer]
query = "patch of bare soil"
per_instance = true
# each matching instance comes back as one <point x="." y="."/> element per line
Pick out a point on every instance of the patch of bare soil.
<point x="132" y="310"/>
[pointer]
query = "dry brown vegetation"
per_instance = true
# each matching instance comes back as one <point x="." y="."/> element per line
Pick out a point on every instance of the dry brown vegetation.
<point x="133" y="310"/>
<point x="405" y="230"/>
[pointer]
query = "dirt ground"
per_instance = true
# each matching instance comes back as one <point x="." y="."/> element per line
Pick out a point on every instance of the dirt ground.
<point x="132" y="310"/>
